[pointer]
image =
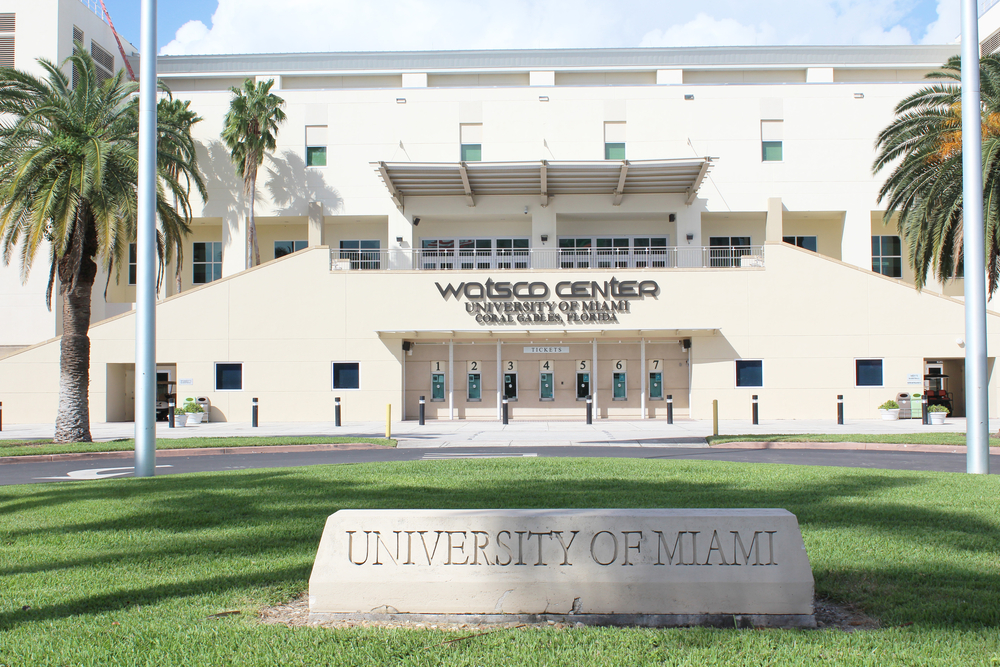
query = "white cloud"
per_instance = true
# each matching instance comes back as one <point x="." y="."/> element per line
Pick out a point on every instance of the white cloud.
<point x="948" y="25"/>
<point x="262" y="26"/>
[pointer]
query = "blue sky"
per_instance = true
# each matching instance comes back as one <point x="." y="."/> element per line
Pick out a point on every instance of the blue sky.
<point x="247" y="26"/>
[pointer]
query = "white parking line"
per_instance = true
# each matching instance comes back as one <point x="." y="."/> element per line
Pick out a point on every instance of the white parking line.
<point x="98" y="473"/>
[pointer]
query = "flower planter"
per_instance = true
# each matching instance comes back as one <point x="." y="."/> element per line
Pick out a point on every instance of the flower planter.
<point x="180" y="420"/>
<point x="937" y="417"/>
<point x="194" y="418"/>
<point x="890" y="415"/>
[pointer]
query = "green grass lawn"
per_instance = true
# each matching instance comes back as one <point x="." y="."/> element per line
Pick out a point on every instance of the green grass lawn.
<point x="127" y="571"/>
<point x="29" y="447"/>
<point x="898" y="439"/>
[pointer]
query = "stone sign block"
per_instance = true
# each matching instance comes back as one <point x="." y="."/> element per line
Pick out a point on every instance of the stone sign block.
<point x="667" y="566"/>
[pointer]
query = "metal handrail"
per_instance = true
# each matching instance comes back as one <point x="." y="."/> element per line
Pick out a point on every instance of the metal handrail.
<point x="673" y="257"/>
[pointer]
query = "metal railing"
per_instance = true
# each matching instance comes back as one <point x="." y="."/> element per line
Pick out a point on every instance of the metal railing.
<point x="675" y="257"/>
<point x="95" y="6"/>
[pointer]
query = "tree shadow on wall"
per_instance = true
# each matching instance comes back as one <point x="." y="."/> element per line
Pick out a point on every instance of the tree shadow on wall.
<point x="292" y="186"/>
<point x="225" y="187"/>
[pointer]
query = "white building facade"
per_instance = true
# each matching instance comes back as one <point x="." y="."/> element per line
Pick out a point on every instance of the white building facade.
<point x="540" y="225"/>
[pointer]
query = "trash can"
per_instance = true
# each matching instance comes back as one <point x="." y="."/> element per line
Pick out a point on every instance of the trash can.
<point x="905" y="407"/>
<point x="206" y="405"/>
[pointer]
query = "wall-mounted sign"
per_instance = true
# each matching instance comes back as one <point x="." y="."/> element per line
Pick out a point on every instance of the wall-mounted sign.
<point x="914" y="378"/>
<point x="533" y="349"/>
<point x="186" y="381"/>
<point x="579" y="301"/>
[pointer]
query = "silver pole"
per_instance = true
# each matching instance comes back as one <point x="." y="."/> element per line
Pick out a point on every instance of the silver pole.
<point x="145" y="300"/>
<point x="977" y="437"/>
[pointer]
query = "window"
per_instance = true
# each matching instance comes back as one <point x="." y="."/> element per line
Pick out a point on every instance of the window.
<point x="206" y="264"/>
<point x="727" y="250"/>
<point x="363" y="254"/>
<point x="77" y="38"/>
<point x="807" y="242"/>
<point x="868" y="372"/>
<point x="614" y="141"/>
<point x="7" y="40"/>
<point x="471" y="137"/>
<point x="488" y="253"/>
<point x="749" y="373"/>
<point x="315" y="145"/>
<point x="887" y="256"/>
<point x="770" y="140"/>
<point x="346" y="375"/>
<point x="105" y="62"/>
<point x="282" y="248"/>
<point x="132" y="264"/>
<point x="614" y="252"/>
<point x="228" y="377"/>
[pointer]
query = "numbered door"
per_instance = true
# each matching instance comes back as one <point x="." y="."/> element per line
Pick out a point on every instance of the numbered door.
<point x="546" y="380"/>
<point x="619" y="383"/>
<point x="656" y="379"/>
<point x="510" y="380"/>
<point x="475" y="385"/>
<point x="582" y="379"/>
<point x="437" y="380"/>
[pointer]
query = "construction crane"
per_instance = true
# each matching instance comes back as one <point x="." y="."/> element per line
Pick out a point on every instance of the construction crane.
<point x="121" y="49"/>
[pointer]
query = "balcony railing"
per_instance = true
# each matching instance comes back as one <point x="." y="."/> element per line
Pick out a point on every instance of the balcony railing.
<point x="676" y="257"/>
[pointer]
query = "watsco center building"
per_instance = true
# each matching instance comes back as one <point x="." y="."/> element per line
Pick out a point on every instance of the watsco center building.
<point x="539" y="224"/>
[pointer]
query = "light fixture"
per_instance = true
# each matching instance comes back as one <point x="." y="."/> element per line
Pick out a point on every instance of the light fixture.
<point x="859" y="96"/>
<point x="672" y="217"/>
<point x="689" y="96"/>
<point x="416" y="221"/>
<point x="543" y="98"/>
<point x="399" y="239"/>
<point x="545" y="237"/>
<point x="690" y="237"/>
<point x="526" y="210"/>
<point x="400" y="100"/>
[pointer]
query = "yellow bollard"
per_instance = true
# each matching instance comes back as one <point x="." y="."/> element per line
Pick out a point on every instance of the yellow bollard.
<point x="388" y="420"/>
<point x="715" y="417"/>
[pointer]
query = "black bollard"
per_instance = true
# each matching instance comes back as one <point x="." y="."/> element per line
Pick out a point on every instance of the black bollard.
<point x="670" y="408"/>
<point x="171" y="406"/>
<point x="754" y="401"/>
<point x="924" y="416"/>
<point x="840" y="409"/>
<point x="504" y="410"/>
<point x="336" y="411"/>
<point x="254" y="420"/>
<point x="422" y="411"/>
<point x="590" y="409"/>
<point x="1" y="415"/>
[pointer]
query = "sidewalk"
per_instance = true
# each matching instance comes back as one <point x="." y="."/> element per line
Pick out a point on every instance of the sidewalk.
<point x="649" y="433"/>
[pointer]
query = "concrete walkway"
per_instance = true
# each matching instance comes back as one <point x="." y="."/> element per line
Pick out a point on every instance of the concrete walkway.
<point x="650" y="433"/>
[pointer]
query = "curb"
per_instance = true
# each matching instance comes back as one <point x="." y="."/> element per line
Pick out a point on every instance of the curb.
<point x="193" y="451"/>
<point x="853" y="446"/>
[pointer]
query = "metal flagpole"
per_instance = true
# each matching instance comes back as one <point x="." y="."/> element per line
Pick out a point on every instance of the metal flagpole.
<point x="145" y="302"/>
<point x="977" y="437"/>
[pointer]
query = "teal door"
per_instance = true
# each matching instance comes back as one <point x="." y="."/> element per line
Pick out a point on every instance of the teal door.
<point x="545" y="386"/>
<point x="475" y="387"/>
<point x="618" y="387"/>
<point x="437" y="386"/>
<point x="656" y="385"/>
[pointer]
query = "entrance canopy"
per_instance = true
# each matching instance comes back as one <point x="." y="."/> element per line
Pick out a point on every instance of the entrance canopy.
<point x="615" y="178"/>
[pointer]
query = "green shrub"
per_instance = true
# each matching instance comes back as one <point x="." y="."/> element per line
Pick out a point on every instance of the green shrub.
<point x="193" y="408"/>
<point x="937" y="408"/>
<point x="889" y="405"/>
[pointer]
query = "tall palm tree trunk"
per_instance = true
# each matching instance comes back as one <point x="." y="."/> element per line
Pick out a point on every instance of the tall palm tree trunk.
<point x="251" y="193"/>
<point x="77" y="272"/>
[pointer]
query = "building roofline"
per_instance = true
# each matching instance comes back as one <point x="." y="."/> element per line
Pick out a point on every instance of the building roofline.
<point x="708" y="57"/>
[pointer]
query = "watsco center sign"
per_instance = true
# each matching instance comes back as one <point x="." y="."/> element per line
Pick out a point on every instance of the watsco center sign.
<point x="578" y="302"/>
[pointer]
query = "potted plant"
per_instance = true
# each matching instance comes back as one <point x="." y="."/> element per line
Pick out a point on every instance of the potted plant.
<point x="889" y="410"/>
<point x="937" y="413"/>
<point x="194" y="412"/>
<point x="180" y="417"/>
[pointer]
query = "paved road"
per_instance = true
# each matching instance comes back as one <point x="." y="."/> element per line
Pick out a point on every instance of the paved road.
<point x="66" y="470"/>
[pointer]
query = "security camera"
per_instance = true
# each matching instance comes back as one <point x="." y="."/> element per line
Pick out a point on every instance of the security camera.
<point x="526" y="210"/>
<point x="416" y="221"/>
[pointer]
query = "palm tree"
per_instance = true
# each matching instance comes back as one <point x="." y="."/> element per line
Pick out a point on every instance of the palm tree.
<point x="251" y="126"/>
<point x="177" y="114"/>
<point x="922" y="149"/>
<point x="68" y="175"/>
